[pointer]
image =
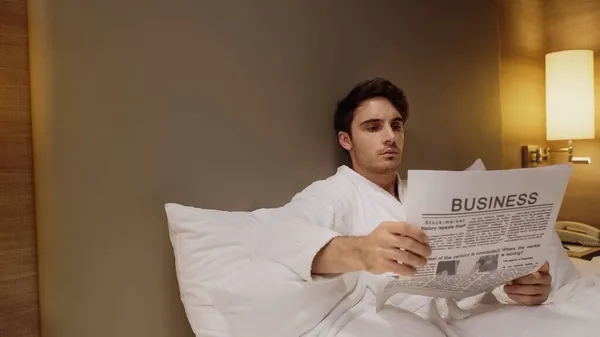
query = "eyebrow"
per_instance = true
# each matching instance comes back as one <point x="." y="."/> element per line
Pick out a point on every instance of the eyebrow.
<point x="376" y="120"/>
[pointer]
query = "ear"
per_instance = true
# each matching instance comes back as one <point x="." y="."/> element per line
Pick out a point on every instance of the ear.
<point x="345" y="140"/>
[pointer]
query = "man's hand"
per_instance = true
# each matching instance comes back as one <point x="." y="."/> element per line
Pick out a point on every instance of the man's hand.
<point x="532" y="289"/>
<point x="395" y="247"/>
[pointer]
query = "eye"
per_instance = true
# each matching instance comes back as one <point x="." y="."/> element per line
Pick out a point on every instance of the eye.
<point x="397" y="126"/>
<point x="372" y="128"/>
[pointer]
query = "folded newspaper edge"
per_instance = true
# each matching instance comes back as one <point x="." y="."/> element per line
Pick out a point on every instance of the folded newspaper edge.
<point x="498" y="244"/>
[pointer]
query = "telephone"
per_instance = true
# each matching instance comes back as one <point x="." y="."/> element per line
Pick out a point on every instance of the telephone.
<point x="579" y="233"/>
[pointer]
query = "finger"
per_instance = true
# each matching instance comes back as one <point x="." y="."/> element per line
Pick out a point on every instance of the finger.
<point x="399" y="269"/>
<point x="407" y="243"/>
<point x="545" y="268"/>
<point x="534" y="278"/>
<point x="528" y="300"/>
<point x="405" y="257"/>
<point x="530" y="290"/>
<point x="405" y="229"/>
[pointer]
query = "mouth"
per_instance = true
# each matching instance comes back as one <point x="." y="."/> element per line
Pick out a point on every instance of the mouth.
<point x="390" y="152"/>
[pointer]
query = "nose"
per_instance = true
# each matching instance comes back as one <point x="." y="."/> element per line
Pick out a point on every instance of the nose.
<point x="388" y="135"/>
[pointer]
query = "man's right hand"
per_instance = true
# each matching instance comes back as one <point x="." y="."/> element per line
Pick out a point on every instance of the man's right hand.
<point x="395" y="247"/>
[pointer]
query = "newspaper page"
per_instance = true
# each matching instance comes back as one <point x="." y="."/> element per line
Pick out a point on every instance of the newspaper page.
<point x="485" y="228"/>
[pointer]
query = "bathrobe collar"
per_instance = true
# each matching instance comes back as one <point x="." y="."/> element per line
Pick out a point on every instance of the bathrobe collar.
<point x="344" y="169"/>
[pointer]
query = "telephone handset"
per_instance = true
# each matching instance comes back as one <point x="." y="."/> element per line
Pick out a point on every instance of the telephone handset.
<point x="579" y="233"/>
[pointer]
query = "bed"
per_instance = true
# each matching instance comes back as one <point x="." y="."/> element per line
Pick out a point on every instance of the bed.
<point x="228" y="291"/>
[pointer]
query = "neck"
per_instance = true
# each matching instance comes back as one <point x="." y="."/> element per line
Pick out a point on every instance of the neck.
<point x="387" y="181"/>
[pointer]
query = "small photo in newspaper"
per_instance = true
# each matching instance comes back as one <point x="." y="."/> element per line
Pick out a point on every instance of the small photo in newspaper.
<point x="469" y="265"/>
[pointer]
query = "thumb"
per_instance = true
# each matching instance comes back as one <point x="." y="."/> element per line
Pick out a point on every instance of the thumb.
<point x="545" y="268"/>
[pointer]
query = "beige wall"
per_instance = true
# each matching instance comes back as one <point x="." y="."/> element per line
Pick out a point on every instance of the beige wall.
<point x="225" y="105"/>
<point x="528" y="30"/>
<point x="575" y="24"/>
<point x="19" y="312"/>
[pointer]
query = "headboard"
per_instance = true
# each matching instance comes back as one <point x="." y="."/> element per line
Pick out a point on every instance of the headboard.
<point x="222" y="104"/>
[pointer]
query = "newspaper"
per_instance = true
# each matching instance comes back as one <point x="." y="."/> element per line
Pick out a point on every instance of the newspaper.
<point x="485" y="228"/>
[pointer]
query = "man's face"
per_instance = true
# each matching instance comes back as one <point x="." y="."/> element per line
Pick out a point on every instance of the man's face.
<point x="377" y="136"/>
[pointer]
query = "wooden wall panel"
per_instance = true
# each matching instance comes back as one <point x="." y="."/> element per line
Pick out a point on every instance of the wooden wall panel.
<point x="19" y="314"/>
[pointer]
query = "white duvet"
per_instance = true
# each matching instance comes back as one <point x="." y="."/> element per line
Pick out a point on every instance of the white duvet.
<point x="572" y="310"/>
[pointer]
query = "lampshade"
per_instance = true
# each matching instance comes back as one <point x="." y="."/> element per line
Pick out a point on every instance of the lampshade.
<point x="570" y="95"/>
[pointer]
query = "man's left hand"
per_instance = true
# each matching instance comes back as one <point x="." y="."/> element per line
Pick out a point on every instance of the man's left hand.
<point x="532" y="289"/>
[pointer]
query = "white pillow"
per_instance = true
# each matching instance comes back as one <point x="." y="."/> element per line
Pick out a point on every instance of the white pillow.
<point x="227" y="291"/>
<point x="201" y="240"/>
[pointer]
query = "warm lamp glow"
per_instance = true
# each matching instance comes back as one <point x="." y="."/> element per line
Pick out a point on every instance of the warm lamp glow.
<point x="570" y="95"/>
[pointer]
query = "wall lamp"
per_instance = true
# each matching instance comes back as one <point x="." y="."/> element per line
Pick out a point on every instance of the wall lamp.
<point x="569" y="105"/>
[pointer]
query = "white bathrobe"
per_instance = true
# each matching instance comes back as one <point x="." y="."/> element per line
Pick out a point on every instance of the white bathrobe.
<point x="342" y="205"/>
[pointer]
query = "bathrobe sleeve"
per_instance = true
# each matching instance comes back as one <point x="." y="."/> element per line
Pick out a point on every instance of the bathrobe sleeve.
<point x="296" y="232"/>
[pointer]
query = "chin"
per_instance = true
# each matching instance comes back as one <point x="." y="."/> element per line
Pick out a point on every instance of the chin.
<point x="388" y="166"/>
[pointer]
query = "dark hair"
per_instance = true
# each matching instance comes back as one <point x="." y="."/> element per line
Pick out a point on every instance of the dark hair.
<point x="377" y="87"/>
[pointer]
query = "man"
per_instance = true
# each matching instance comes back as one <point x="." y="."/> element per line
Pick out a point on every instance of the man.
<point x="348" y="229"/>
